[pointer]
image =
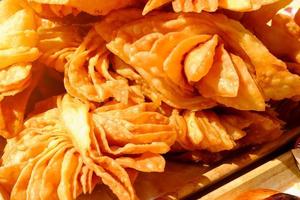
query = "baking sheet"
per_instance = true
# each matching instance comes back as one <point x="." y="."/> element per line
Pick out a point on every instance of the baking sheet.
<point x="281" y="174"/>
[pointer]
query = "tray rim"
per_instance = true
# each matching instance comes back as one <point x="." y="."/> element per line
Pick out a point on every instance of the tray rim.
<point x="231" y="166"/>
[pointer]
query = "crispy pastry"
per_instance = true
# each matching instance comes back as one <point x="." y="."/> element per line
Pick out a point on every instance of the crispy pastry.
<point x="67" y="150"/>
<point x="207" y="5"/>
<point x="203" y="55"/>
<point x="18" y="41"/>
<point x="61" y="8"/>
<point x="206" y="130"/>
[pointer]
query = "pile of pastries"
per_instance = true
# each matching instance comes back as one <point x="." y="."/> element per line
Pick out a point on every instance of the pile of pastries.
<point x="94" y="92"/>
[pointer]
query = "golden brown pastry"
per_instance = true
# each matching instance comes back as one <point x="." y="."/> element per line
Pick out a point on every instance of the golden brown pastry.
<point x="196" y="56"/>
<point x="61" y="8"/>
<point x="67" y="150"/>
<point x="207" y="5"/>
<point x="265" y="194"/>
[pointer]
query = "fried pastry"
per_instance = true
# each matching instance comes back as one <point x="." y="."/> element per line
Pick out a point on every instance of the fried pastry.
<point x="18" y="41"/>
<point x="207" y="5"/>
<point x="56" y="157"/>
<point x="232" y="129"/>
<point x="61" y="8"/>
<point x="57" y="43"/>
